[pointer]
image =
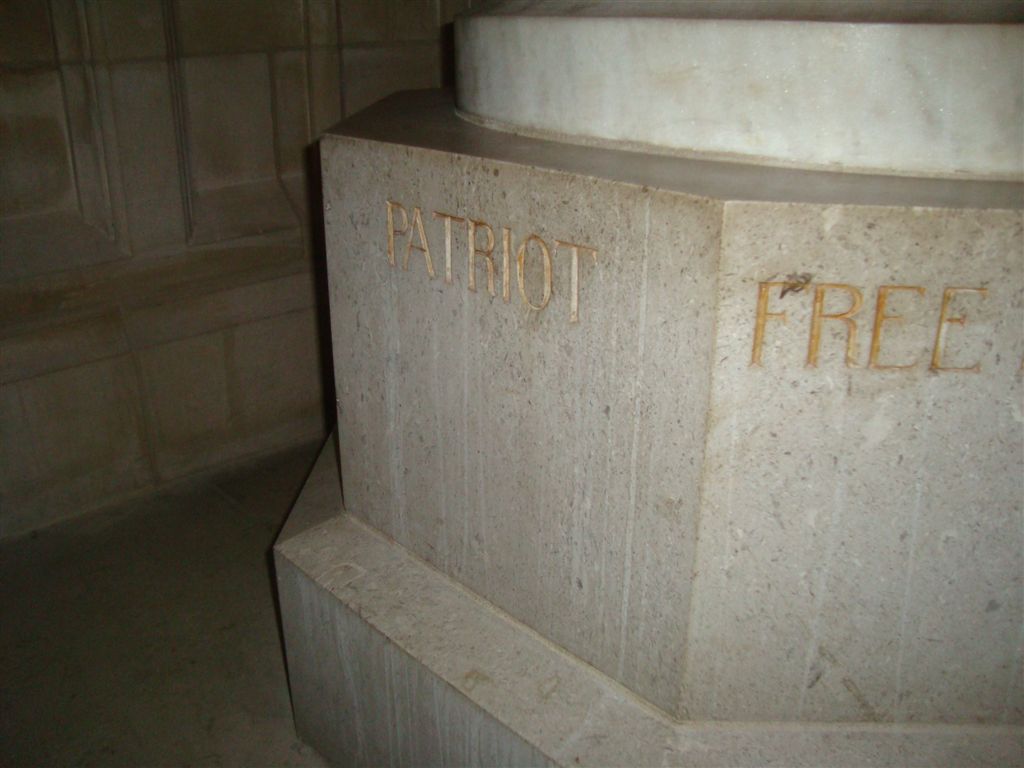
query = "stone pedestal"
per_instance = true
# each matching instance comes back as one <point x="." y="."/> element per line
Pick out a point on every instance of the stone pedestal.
<point x="653" y="460"/>
<point x="680" y="420"/>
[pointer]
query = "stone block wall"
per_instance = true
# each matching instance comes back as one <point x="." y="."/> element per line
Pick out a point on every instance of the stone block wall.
<point x="160" y="245"/>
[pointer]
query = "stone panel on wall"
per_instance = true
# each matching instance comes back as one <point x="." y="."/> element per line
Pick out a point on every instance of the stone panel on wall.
<point x="154" y="192"/>
<point x="35" y="172"/>
<point x="71" y="437"/>
<point x="148" y="161"/>
<point x="372" y="73"/>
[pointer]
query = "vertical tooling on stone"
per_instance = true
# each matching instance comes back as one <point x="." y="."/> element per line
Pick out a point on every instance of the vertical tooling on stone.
<point x="861" y="538"/>
<point x="545" y="450"/>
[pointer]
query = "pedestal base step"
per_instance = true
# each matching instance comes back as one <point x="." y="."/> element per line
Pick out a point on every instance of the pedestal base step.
<point x="391" y="662"/>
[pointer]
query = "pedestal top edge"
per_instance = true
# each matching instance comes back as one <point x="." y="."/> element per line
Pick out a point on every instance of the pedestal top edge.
<point x="841" y="11"/>
<point x="428" y="120"/>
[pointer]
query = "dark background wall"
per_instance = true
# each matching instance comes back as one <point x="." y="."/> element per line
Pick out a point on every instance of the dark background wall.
<point x="160" y="247"/>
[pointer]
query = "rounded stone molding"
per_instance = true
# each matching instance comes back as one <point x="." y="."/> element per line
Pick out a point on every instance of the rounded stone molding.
<point x="929" y="89"/>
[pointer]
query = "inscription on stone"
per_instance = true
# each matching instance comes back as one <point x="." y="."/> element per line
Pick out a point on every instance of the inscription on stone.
<point x="949" y="308"/>
<point x="480" y="246"/>
<point x="929" y="324"/>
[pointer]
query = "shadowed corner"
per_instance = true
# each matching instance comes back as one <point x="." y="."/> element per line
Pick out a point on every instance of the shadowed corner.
<point x="318" y="259"/>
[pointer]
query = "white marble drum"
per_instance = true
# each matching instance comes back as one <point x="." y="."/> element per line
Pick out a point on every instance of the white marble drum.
<point x="838" y="85"/>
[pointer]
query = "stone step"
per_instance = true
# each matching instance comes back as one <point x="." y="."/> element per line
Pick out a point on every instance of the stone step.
<point x="390" y="662"/>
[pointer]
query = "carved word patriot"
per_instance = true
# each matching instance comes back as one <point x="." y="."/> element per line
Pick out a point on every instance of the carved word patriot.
<point x="480" y="246"/>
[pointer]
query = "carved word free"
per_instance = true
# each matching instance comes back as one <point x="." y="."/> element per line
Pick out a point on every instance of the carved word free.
<point x="771" y="294"/>
<point x="479" y="252"/>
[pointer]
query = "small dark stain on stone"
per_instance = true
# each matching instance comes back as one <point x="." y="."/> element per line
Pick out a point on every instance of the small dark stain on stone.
<point x="796" y="283"/>
<point x="815" y="677"/>
<point x="865" y="706"/>
<point x="607" y="410"/>
<point x="548" y="686"/>
<point x="496" y="172"/>
<point x="474" y="677"/>
<point x="993" y="605"/>
<point x="579" y="585"/>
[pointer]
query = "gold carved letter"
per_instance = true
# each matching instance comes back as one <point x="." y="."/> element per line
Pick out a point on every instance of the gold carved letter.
<point x="472" y="227"/>
<point x="506" y="270"/>
<point x="880" y="319"/>
<point x="763" y="315"/>
<point x="944" y="320"/>
<point x="521" y="271"/>
<point x="818" y="315"/>
<point x="448" y="219"/>
<point x="424" y="248"/>
<point x="574" y="276"/>
<point x="391" y="228"/>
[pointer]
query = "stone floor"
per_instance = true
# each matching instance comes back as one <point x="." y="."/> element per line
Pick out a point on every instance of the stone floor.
<point x="147" y="634"/>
